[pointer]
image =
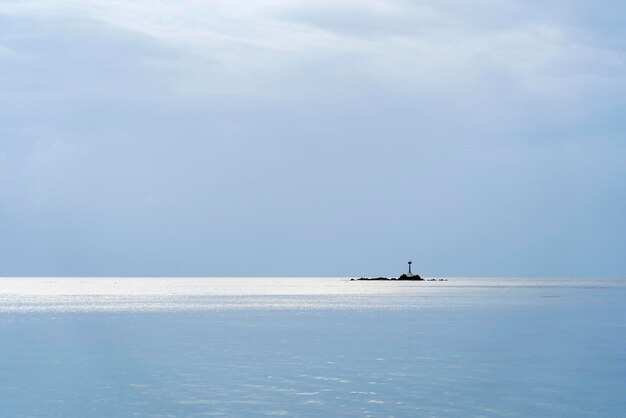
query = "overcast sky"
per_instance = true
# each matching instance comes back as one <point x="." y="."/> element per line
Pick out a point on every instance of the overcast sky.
<point x="313" y="137"/>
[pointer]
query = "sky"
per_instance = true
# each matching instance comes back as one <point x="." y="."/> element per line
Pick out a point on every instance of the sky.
<point x="312" y="138"/>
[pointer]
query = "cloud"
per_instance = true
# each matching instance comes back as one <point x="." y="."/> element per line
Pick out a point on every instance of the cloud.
<point x="194" y="133"/>
<point x="232" y="47"/>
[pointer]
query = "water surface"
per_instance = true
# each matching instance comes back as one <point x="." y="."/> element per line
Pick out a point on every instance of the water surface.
<point x="76" y="347"/>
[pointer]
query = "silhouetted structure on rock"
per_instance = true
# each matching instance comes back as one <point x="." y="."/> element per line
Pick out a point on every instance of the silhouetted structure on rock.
<point x="405" y="276"/>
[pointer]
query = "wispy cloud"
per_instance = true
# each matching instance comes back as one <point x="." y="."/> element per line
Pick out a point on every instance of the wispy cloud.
<point x="430" y="45"/>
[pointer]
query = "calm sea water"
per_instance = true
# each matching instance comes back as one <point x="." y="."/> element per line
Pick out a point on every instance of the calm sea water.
<point x="176" y="347"/>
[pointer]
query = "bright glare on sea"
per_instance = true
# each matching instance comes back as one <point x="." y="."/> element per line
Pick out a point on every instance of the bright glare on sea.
<point x="318" y="347"/>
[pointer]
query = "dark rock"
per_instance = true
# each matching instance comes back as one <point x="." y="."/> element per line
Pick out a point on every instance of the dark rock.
<point x="415" y="277"/>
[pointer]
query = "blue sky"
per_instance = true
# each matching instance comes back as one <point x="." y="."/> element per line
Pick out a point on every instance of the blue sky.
<point x="306" y="137"/>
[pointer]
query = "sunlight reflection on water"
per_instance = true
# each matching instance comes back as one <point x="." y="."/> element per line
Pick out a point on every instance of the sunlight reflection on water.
<point x="179" y="294"/>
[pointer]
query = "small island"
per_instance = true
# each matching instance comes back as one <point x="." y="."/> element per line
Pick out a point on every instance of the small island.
<point x="409" y="276"/>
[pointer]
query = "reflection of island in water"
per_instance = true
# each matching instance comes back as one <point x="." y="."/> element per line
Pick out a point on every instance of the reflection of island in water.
<point x="405" y="276"/>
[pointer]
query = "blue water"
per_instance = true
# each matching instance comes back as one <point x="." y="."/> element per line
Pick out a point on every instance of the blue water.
<point x="312" y="347"/>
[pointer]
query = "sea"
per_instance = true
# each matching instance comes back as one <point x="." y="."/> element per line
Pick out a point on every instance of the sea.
<point x="312" y="347"/>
